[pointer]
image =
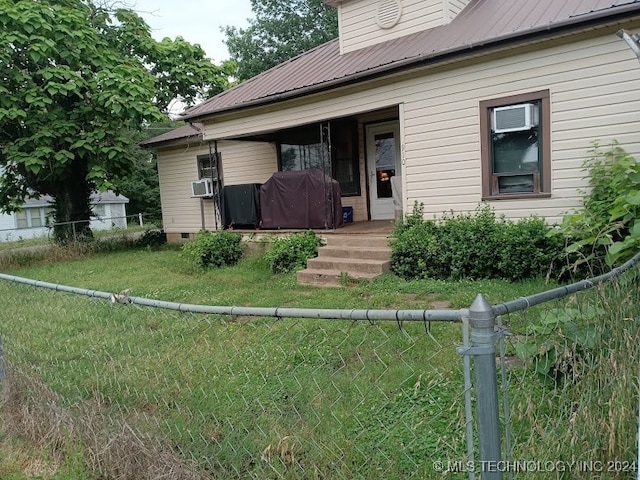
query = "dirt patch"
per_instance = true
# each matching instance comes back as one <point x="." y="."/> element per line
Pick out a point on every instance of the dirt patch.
<point x="437" y="304"/>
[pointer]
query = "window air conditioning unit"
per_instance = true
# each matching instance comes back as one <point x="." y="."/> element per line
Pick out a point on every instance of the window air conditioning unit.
<point x="515" y="118"/>
<point x="202" y="188"/>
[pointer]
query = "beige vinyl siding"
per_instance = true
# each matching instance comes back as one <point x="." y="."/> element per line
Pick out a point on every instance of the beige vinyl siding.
<point x="177" y="167"/>
<point x="359" y="27"/>
<point x="595" y="95"/>
<point x="344" y="103"/>
<point x="242" y="162"/>
<point x="453" y="8"/>
<point x="248" y="162"/>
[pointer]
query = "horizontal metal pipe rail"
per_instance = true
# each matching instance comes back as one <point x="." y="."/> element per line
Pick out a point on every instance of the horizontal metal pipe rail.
<point x="531" y="300"/>
<point x="277" y="312"/>
<point x="341" y="314"/>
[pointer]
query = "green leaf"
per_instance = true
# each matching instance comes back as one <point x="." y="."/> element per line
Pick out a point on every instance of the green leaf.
<point x="526" y="349"/>
<point x="618" y="247"/>
<point x="545" y="363"/>
<point x="634" y="198"/>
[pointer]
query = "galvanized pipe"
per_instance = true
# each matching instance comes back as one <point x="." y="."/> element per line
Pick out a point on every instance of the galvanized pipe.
<point x="277" y="312"/>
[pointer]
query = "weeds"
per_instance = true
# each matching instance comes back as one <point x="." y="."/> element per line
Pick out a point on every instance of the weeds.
<point x="591" y="416"/>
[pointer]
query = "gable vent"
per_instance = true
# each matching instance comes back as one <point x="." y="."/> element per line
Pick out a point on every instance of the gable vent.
<point x="389" y="13"/>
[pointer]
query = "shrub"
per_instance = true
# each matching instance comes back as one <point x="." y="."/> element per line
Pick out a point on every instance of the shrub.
<point x="607" y="230"/>
<point x="217" y="249"/>
<point x="476" y="245"/>
<point x="527" y="249"/>
<point x="290" y="253"/>
<point x="561" y="345"/>
<point x="151" y="239"/>
<point x="469" y="244"/>
<point x="415" y="248"/>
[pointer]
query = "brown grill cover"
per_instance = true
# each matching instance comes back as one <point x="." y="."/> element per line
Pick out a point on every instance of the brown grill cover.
<point x="300" y="199"/>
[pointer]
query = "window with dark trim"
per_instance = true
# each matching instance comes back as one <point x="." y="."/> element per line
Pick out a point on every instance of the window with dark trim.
<point x="329" y="146"/>
<point x="208" y="166"/>
<point x="516" y="146"/>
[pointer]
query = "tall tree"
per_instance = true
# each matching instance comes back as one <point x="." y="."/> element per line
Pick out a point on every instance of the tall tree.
<point x="280" y="30"/>
<point x="75" y="80"/>
<point x="141" y="185"/>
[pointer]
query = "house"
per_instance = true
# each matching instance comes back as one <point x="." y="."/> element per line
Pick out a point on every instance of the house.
<point x="33" y="219"/>
<point x="465" y="101"/>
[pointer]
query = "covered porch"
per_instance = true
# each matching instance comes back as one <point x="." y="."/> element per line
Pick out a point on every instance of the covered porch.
<point x="361" y="153"/>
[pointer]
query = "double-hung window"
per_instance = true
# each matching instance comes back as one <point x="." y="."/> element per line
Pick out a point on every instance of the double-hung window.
<point x="516" y="146"/>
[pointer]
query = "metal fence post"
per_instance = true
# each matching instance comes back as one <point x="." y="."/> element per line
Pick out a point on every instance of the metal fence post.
<point x="1" y="363"/>
<point x="483" y="338"/>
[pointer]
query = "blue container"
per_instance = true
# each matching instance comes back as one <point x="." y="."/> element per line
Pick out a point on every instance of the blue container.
<point x="347" y="214"/>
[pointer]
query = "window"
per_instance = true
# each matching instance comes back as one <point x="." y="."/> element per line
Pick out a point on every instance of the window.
<point x="33" y="217"/>
<point x="209" y="167"/>
<point x="516" y="146"/>
<point x="99" y="210"/>
<point x="330" y="146"/>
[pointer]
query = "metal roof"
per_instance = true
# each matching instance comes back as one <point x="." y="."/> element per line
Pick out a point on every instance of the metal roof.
<point x="96" y="198"/>
<point x="188" y="132"/>
<point x="483" y="24"/>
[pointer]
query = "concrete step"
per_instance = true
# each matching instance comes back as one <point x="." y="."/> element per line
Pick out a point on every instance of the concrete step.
<point x="368" y="253"/>
<point x="329" y="278"/>
<point x="361" y="241"/>
<point x="350" y="265"/>
<point x="347" y="256"/>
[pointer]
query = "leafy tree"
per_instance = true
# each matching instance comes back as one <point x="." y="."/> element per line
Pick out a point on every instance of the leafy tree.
<point x="75" y="80"/>
<point x="141" y="185"/>
<point x="281" y="30"/>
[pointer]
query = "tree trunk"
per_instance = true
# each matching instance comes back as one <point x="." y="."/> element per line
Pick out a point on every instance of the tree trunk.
<point x="73" y="206"/>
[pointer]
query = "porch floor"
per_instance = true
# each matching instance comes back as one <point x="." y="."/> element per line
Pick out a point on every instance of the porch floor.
<point x="374" y="227"/>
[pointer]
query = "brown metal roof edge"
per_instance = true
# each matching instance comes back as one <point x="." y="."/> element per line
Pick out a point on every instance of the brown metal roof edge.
<point x="539" y="32"/>
<point x="166" y="139"/>
<point x="172" y="142"/>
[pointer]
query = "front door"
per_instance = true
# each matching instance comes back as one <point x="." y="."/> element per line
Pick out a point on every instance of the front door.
<point x="383" y="163"/>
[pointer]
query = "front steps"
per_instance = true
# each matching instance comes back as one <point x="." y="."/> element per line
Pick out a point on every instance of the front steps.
<point x="358" y="256"/>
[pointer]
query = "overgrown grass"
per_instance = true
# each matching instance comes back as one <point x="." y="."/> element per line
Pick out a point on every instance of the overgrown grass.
<point x="589" y="414"/>
<point x="162" y="274"/>
<point x="46" y="241"/>
<point x="247" y="397"/>
<point x="20" y="460"/>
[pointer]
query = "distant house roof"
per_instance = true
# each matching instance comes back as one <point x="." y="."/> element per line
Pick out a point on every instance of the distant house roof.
<point x="188" y="132"/>
<point x="482" y="25"/>
<point x="96" y="198"/>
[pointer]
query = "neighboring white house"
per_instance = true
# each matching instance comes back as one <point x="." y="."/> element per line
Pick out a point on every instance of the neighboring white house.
<point x="109" y="211"/>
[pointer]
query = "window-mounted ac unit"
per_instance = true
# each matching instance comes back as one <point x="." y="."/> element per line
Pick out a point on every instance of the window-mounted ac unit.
<point x="202" y="188"/>
<point x="515" y="118"/>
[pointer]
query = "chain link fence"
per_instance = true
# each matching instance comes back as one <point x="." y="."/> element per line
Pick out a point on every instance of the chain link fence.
<point x="157" y="393"/>
<point x="569" y="378"/>
<point x="153" y="389"/>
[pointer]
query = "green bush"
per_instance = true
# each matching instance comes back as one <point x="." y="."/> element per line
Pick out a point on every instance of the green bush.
<point x="469" y="244"/>
<point x="290" y="253"/>
<point x="217" y="249"/>
<point x="476" y="245"/>
<point x="415" y="248"/>
<point x="151" y="239"/>
<point x="606" y="231"/>
<point x="528" y="249"/>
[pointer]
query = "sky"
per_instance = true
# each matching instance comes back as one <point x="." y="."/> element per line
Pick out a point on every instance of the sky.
<point x="197" y="21"/>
